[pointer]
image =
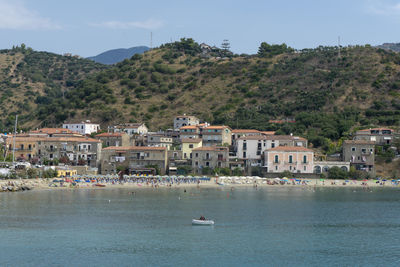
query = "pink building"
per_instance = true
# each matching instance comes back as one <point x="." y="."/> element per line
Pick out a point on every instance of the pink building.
<point x="295" y="159"/>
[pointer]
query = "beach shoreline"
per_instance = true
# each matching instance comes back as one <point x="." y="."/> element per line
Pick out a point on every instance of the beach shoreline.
<point x="50" y="184"/>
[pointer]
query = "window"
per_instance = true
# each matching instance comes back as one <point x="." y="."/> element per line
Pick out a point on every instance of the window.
<point x="244" y="154"/>
<point x="197" y="163"/>
<point x="197" y="155"/>
<point x="353" y="149"/>
<point x="276" y="159"/>
<point x="207" y="164"/>
<point x="191" y="146"/>
<point x="364" y="150"/>
<point x="305" y="168"/>
<point x="290" y="168"/>
<point x="276" y="168"/>
<point x="51" y="156"/>
<point x="272" y="145"/>
<point x="290" y="159"/>
<point x="304" y="159"/>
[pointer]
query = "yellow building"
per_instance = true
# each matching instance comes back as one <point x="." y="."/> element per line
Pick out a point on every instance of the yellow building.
<point x="188" y="144"/>
<point x="66" y="172"/>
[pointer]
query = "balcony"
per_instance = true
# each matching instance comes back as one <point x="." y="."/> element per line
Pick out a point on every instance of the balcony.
<point x="221" y="159"/>
<point x="290" y="162"/>
<point x="207" y="158"/>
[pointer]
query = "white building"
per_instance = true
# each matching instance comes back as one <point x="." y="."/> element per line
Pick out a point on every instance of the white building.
<point x="251" y="148"/>
<point x="129" y="128"/>
<point x="84" y="127"/>
<point x="180" y="121"/>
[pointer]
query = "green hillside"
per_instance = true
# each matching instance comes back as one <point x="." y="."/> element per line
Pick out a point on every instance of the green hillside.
<point x="327" y="95"/>
<point x="32" y="85"/>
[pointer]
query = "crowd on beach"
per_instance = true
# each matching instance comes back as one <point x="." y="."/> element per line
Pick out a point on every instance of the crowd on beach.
<point x="185" y="181"/>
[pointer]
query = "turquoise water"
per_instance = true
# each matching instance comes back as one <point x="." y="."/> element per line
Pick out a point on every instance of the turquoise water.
<point x="269" y="226"/>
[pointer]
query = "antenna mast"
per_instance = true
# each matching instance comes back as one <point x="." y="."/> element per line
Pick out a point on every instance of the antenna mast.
<point x="151" y="40"/>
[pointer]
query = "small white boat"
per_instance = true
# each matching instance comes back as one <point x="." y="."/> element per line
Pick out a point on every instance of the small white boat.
<point x="202" y="222"/>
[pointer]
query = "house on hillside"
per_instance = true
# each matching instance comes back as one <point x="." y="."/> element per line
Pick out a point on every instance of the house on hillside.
<point x="181" y="121"/>
<point x="83" y="127"/>
<point x="217" y="135"/>
<point x="380" y="136"/>
<point x="129" y="128"/>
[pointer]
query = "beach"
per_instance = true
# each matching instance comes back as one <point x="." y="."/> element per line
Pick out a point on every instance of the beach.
<point x="214" y="182"/>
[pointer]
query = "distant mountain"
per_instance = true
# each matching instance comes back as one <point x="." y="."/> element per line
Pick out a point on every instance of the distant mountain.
<point x="390" y="46"/>
<point x="117" y="55"/>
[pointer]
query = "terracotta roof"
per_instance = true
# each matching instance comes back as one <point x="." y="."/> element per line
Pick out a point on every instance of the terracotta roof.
<point x="376" y="129"/>
<point x="110" y="134"/>
<point x="188" y="127"/>
<point x="245" y="131"/>
<point x="135" y="148"/>
<point x="210" y="148"/>
<point x="359" y="142"/>
<point x="291" y="149"/>
<point x="268" y="132"/>
<point x="217" y="127"/>
<point x="53" y="131"/>
<point x="53" y="139"/>
<point x="71" y="139"/>
<point x="191" y="140"/>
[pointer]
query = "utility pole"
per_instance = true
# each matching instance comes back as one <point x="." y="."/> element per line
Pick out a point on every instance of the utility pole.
<point x="15" y="135"/>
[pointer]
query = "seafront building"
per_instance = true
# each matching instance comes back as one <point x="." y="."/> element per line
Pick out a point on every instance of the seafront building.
<point x="131" y="148"/>
<point x="295" y="159"/>
<point x="134" y="160"/>
<point x="360" y="154"/>
<point x="209" y="157"/>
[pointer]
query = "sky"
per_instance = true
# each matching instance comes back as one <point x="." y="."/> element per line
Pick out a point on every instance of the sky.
<point x="89" y="27"/>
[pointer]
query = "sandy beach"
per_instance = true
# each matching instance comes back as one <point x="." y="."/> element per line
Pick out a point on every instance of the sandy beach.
<point x="57" y="184"/>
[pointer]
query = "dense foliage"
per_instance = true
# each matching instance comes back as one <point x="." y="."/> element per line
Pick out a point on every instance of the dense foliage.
<point x="311" y="92"/>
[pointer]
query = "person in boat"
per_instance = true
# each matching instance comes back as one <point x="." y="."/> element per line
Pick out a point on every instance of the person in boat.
<point x="202" y="218"/>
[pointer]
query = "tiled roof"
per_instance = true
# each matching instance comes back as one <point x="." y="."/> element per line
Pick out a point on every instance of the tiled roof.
<point x="268" y="132"/>
<point x="53" y="131"/>
<point x="291" y="149"/>
<point x="245" y="131"/>
<point x="135" y="148"/>
<point x="210" y="148"/>
<point x="191" y="140"/>
<point x="110" y="134"/>
<point x="217" y="127"/>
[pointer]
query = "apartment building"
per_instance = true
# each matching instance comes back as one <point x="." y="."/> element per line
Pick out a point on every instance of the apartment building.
<point x="210" y="157"/>
<point x="217" y="135"/>
<point x="296" y="159"/>
<point x="113" y="139"/>
<point x="134" y="159"/>
<point x="360" y="154"/>
<point x="181" y="121"/>
<point x="380" y="136"/>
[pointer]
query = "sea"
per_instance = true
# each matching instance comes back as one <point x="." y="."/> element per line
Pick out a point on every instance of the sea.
<point x="274" y="226"/>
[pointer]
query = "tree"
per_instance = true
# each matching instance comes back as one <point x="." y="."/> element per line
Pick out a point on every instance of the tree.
<point x="267" y="50"/>
<point x="225" y="45"/>
<point x="337" y="173"/>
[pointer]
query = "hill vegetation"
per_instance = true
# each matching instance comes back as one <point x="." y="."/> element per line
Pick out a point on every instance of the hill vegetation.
<point x="327" y="96"/>
<point x="117" y="55"/>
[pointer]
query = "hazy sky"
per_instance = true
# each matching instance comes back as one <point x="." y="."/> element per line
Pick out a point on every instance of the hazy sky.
<point x="88" y="27"/>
